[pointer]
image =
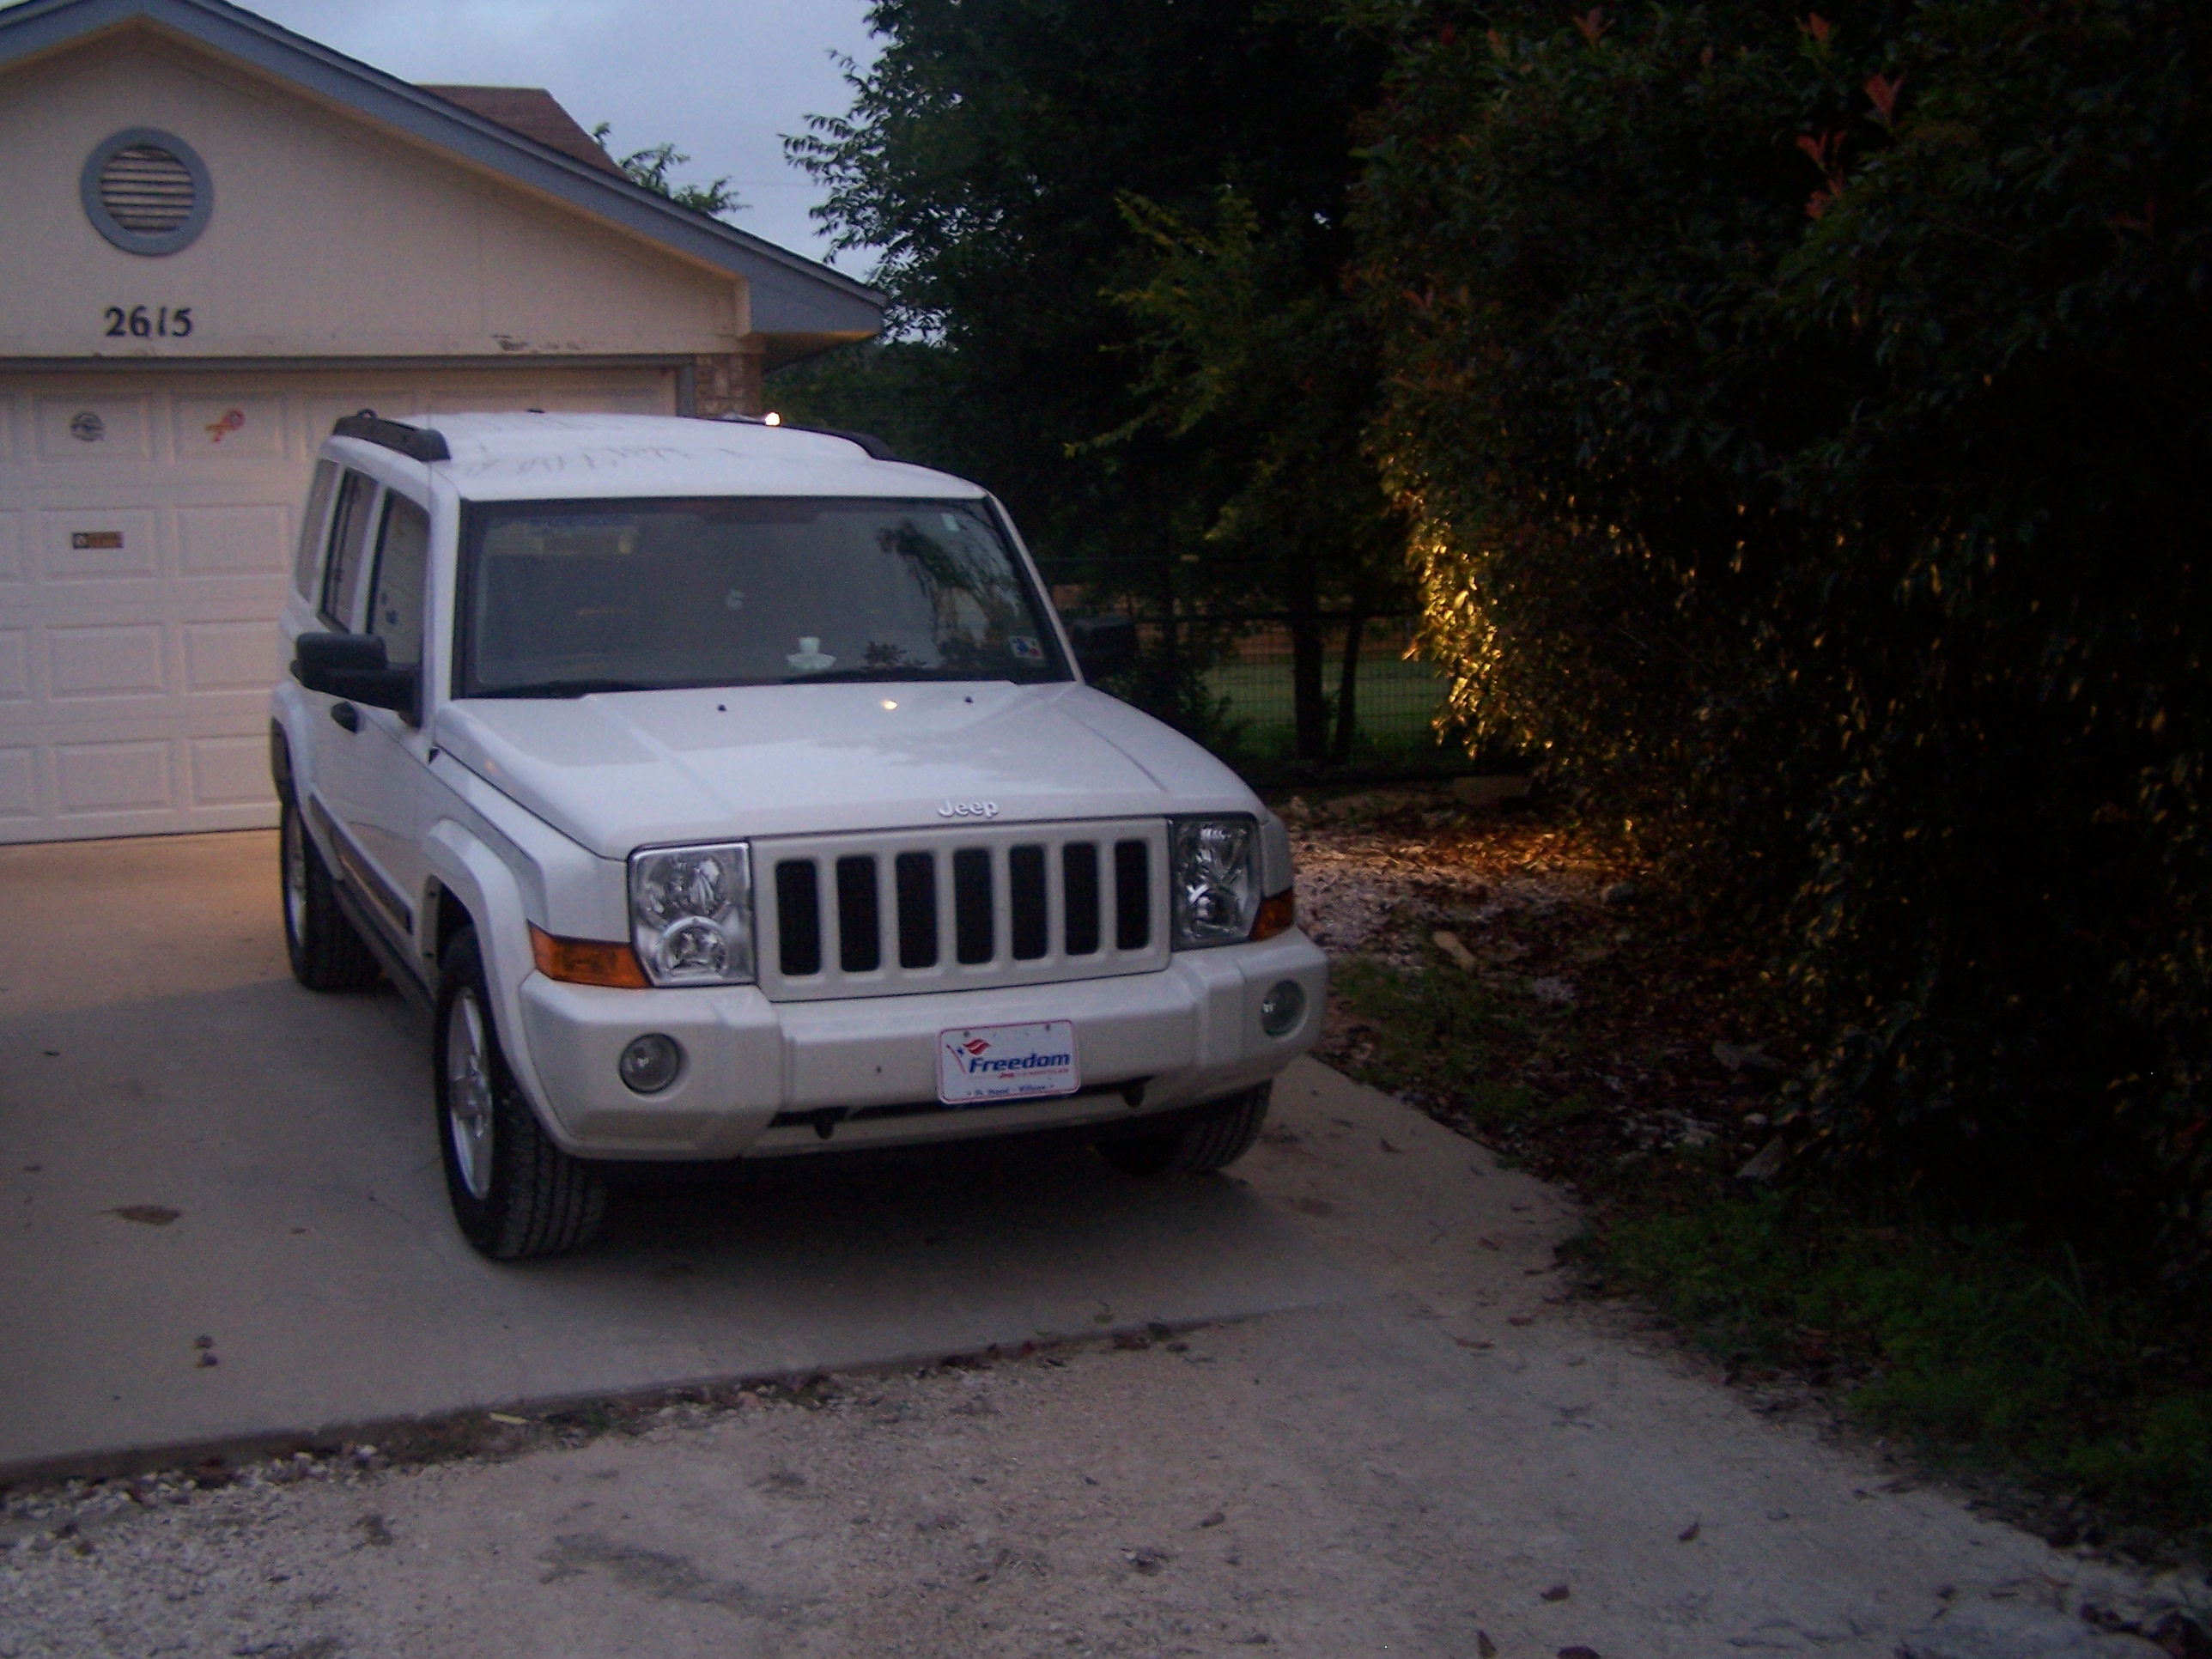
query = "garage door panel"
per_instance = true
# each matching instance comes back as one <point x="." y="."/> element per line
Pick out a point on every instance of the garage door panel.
<point x="91" y="429"/>
<point x="106" y="660"/>
<point x="223" y="541"/>
<point x="136" y="662"/>
<point x="93" y="778"/>
<point x="231" y="656"/>
<point x="98" y="544"/>
<point x="226" y="431"/>
<point x="230" y="771"/>
<point x="18" y="786"/>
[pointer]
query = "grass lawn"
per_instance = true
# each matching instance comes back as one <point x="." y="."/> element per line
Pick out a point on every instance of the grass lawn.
<point x="1397" y="701"/>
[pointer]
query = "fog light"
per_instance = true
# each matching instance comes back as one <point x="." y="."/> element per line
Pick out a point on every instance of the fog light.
<point x="651" y="1062"/>
<point x="1282" y="1008"/>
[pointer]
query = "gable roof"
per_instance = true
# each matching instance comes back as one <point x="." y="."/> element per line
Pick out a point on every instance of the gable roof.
<point x="535" y="113"/>
<point x="792" y="295"/>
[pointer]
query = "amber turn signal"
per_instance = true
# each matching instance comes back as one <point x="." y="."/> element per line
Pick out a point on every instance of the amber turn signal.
<point x="1277" y="915"/>
<point x="587" y="961"/>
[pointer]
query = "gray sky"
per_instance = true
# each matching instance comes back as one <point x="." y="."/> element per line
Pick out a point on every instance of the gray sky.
<point x="721" y="79"/>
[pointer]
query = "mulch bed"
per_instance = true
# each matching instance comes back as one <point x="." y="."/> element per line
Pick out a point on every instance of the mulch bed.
<point x="1662" y="1036"/>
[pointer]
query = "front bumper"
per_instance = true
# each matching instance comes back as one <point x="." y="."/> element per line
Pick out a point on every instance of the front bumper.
<point x="1189" y="1033"/>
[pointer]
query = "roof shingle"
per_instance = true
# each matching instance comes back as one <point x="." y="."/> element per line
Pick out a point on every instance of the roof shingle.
<point x="533" y="112"/>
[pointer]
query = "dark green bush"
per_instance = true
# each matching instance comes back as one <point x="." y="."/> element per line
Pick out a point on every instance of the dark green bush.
<point x="1806" y="421"/>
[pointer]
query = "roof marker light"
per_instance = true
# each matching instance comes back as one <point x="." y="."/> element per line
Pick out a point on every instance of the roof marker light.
<point x="771" y="419"/>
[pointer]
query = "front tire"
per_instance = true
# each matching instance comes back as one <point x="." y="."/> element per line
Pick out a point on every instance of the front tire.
<point x="326" y="953"/>
<point x="515" y="1193"/>
<point x="1214" y="1140"/>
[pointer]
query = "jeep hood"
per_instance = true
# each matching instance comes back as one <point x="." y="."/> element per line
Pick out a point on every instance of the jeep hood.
<point x="619" y="771"/>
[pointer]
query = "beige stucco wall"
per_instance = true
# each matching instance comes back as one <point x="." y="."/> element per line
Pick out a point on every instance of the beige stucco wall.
<point x="329" y="237"/>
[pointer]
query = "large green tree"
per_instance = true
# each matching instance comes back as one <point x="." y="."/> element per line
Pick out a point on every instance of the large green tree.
<point x="1809" y="425"/>
<point x="1113" y="241"/>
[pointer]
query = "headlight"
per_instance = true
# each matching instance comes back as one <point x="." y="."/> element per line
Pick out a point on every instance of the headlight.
<point x="691" y="914"/>
<point x="1215" y="863"/>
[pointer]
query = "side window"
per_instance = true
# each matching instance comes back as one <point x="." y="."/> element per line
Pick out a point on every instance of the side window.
<point x="395" y="611"/>
<point x="349" y="527"/>
<point x="312" y="526"/>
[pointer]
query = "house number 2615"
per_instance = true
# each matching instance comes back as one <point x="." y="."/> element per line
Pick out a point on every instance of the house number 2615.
<point x="149" y="323"/>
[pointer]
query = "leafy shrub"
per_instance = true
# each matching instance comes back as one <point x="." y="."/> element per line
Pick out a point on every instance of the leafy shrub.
<point x="1805" y="422"/>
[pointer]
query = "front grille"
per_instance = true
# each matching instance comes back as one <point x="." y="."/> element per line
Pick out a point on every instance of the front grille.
<point x="873" y="914"/>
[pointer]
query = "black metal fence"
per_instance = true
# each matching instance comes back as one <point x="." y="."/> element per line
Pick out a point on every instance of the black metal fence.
<point x="1226" y="675"/>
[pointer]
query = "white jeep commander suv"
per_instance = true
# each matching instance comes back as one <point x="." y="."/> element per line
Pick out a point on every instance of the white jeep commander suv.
<point x="727" y="790"/>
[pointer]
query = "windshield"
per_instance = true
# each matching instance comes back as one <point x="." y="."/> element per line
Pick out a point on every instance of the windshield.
<point x="565" y="598"/>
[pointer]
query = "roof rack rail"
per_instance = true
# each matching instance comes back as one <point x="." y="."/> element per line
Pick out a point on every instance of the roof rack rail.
<point x="418" y="443"/>
<point x="877" y="450"/>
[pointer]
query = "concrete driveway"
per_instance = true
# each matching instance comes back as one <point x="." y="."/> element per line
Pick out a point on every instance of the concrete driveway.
<point x="228" y="1218"/>
<point x="1394" y="1435"/>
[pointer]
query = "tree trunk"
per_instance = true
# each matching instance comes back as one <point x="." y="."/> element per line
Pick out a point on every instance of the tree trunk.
<point x="1309" y="708"/>
<point x="1347" y="686"/>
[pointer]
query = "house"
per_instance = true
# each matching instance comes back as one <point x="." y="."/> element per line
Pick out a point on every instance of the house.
<point x="216" y="236"/>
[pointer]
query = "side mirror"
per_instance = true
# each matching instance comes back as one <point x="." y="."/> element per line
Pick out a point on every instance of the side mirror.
<point x="354" y="667"/>
<point x="1103" y="645"/>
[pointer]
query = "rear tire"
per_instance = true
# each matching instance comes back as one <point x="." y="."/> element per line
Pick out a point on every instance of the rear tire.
<point x="326" y="953"/>
<point x="515" y="1193"/>
<point x="1214" y="1140"/>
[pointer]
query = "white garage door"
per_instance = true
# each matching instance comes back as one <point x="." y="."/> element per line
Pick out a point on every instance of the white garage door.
<point x="146" y="531"/>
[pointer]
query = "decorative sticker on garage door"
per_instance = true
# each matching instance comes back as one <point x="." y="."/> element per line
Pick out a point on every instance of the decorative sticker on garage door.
<point x="225" y="428"/>
<point x="89" y="428"/>
<point x="99" y="544"/>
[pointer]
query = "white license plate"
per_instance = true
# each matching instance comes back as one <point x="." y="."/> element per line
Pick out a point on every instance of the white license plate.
<point x="1006" y="1062"/>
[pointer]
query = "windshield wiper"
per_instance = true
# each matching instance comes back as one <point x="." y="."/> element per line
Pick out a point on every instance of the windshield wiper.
<point x="566" y="689"/>
<point x="830" y="676"/>
<point x="907" y="673"/>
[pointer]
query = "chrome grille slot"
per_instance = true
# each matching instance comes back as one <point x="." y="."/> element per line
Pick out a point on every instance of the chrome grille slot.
<point x="904" y="911"/>
<point x="798" y="918"/>
<point x="859" y="930"/>
<point x="1031" y="927"/>
<point x="1078" y="877"/>
<point x="917" y="909"/>
<point x="971" y="905"/>
<point x="1132" y="878"/>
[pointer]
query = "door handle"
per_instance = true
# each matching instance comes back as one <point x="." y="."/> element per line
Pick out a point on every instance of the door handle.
<point x="346" y="715"/>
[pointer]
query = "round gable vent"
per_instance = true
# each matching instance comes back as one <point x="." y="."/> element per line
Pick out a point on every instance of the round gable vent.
<point x="147" y="192"/>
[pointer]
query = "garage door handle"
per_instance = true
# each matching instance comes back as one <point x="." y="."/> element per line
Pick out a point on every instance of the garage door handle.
<point x="346" y="715"/>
